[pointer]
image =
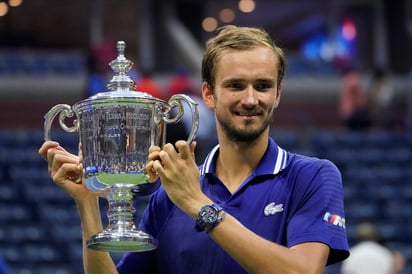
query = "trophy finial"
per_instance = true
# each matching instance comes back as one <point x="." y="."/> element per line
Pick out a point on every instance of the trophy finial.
<point x="121" y="46"/>
<point x="121" y="81"/>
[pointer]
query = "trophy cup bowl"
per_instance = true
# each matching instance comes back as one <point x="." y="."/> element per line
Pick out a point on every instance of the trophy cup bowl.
<point x="116" y="129"/>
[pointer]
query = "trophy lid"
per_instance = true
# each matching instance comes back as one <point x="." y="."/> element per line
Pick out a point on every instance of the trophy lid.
<point x="121" y="88"/>
<point x="121" y="81"/>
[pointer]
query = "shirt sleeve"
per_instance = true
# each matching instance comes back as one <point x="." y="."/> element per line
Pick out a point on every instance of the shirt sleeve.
<point x="317" y="210"/>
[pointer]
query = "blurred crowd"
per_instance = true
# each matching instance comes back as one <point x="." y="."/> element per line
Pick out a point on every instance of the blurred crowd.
<point x="371" y="104"/>
<point x="371" y="254"/>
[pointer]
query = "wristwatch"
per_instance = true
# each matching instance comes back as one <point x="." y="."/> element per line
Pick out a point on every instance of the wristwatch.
<point x="208" y="217"/>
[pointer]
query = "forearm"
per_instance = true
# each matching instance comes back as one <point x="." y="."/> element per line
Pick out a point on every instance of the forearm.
<point x="93" y="261"/>
<point x="258" y="255"/>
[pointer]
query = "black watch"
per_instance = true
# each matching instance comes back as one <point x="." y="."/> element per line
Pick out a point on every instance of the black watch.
<point x="208" y="217"/>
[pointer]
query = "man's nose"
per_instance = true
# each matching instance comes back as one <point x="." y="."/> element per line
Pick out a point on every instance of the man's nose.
<point x="250" y="97"/>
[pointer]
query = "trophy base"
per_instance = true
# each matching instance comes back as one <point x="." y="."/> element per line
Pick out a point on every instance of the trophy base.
<point x="124" y="241"/>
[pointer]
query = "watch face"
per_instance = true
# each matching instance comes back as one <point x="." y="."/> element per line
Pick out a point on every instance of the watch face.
<point x="209" y="214"/>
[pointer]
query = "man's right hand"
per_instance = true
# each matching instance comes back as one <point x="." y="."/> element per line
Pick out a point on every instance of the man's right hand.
<point x="65" y="169"/>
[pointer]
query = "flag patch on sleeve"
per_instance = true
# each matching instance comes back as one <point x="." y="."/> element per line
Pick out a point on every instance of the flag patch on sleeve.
<point x="334" y="219"/>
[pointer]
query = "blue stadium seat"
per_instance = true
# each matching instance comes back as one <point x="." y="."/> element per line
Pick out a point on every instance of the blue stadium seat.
<point x="286" y="139"/>
<point x="47" y="194"/>
<point x="399" y="156"/>
<point x="360" y="210"/>
<point x="7" y="137"/>
<point x="27" y="232"/>
<point x="377" y="139"/>
<point x="12" y="212"/>
<point x="59" y="212"/>
<point x="41" y="253"/>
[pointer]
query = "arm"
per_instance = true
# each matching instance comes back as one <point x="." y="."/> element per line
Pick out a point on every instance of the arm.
<point x="64" y="168"/>
<point x="180" y="178"/>
<point x="93" y="261"/>
<point x="263" y="256"/>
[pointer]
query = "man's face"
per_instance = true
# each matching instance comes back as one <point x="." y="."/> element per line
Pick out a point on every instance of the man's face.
<point x="245" y="93"/>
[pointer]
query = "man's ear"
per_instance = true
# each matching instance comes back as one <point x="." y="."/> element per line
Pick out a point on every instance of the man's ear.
<point x="278" y="93"/>
<point x="208" y="97"/>
<point x="279" y="90"/>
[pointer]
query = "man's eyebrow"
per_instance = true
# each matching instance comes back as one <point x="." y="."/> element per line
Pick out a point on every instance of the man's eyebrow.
<point x="233" y="80"/>
<point x="240" y="79"/>
<point x="265" y="80"/>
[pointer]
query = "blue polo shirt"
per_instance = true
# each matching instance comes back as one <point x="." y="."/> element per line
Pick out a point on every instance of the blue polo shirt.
<point x="289" y="199"/>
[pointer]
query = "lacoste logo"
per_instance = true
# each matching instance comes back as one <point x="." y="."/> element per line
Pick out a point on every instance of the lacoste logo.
<point x="273" y="208"/>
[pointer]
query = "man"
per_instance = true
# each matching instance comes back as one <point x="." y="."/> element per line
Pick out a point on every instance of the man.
<point x="257" y="209"/>
<point x="370" y="255"/>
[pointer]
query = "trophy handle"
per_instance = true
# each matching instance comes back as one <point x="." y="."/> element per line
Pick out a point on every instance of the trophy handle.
<point x="176" y="101"/>
<point x="65" y="112"/>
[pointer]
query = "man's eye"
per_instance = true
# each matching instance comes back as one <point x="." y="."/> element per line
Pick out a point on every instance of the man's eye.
<point x="263" y="86"/>
<point x="235" y="86"/>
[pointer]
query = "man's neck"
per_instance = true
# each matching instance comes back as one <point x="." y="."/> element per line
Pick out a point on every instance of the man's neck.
<point x="237" y="161"/>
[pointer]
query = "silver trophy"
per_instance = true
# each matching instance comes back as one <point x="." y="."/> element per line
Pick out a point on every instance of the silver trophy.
<point x="116" y="129"/>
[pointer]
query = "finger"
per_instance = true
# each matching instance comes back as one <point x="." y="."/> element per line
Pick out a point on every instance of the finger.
<point x="68" y="172"/>
<point x="62" y="151"/>
<point x="168" y="156"/>
<point x="52" y="152"/>
<point x="184" y="150"/>
<point x="79" y="178"/>
<point x="59" y="160"/>
<point x="153" y="175"/>
<point x="153" y="155"/>
<point x="170" y="149"/>
<point x="165" y="161"/>
<point x="158" y="167"/>
<point x="153" y="149"/>
<point x="45" y="147"/>
<point x="192" y="148"/>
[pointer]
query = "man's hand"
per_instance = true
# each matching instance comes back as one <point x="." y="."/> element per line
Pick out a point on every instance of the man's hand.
<point x="180" y="175"/>
<point x="65" y="169"/>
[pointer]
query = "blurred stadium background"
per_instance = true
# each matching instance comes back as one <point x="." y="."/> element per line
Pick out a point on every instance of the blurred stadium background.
<point x="49" y="50"/>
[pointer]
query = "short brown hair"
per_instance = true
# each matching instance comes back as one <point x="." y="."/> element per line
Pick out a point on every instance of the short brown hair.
<point x="240" y="38"/>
